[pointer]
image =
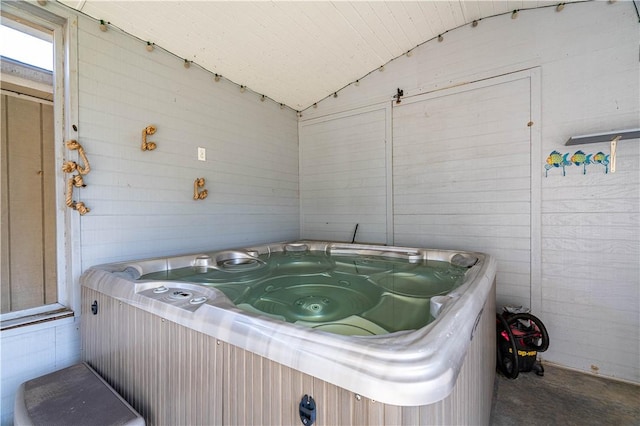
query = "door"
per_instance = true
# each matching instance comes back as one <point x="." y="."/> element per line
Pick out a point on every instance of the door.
<point x="344" y="176"/>
<point x="462" y="176"/>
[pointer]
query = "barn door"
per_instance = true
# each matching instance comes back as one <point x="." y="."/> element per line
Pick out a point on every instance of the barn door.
<point x="462" y="161"/>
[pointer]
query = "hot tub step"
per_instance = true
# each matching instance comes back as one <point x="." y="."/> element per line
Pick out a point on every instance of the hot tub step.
<point x="76" y="395"/>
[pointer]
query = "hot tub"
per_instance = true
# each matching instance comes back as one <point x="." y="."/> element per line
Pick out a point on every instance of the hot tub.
<point x="373" y="334"/>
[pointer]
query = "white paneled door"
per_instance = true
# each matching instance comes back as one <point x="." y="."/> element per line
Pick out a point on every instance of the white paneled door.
<point x="344" y="162"/>
<point x="462" y="161"/>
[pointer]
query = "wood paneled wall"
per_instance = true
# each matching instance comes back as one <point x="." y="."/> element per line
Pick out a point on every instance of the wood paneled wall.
<point x="142" y="202"/>
<point x="343" y="177"/>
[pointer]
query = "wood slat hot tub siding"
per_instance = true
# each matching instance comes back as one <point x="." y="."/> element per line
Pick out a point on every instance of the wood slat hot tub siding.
<point x="178" y="376"/>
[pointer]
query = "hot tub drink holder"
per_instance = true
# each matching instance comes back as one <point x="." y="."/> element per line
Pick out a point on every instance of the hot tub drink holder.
<point x="520" y="336"/>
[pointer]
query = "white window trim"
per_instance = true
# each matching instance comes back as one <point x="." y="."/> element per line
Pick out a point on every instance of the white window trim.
<point x="64" y="25"/>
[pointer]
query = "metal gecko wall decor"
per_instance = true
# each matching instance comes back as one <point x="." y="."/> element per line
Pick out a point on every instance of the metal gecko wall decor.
<point x="579" y="158"/>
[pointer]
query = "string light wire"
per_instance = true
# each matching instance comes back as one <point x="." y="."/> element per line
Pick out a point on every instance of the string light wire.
<point x="440" y="38"/>
<point x="104" y="25"/>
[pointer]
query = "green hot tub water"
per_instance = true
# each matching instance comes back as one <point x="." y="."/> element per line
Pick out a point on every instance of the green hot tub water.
<point x="351" y="295"/>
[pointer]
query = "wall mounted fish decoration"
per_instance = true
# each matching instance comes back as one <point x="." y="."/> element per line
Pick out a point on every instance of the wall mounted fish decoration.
<point x="555" y="159"/>
<point x="601" y="158"/>
<point x="579" y="158"/>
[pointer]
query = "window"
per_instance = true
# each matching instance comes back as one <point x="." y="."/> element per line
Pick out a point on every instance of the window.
<point x="35" y="50"/>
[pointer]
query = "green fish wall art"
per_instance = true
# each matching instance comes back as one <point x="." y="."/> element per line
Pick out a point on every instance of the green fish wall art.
<point x="600" y="158"/>
<point x="555" y="159"/>
<point x="579" y="158"/>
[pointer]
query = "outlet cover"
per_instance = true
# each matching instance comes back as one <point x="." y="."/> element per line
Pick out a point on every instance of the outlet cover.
<point x="202" y="154"/>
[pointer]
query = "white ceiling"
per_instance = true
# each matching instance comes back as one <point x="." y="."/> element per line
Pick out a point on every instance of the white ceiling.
<point x="295" y="53"/>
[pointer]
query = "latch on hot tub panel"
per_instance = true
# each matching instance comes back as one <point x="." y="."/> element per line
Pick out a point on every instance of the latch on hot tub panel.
<point x="307" y="410"/>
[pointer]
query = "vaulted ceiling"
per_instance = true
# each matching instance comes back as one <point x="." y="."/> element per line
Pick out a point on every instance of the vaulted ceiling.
<point x="296" y="53"/>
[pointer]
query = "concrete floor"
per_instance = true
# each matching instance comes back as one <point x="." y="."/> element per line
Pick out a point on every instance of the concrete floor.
<point x="564" y="397"/>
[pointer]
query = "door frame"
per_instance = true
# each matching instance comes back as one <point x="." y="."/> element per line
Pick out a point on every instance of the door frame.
<point x="64" y="27"/>
<point x="388" y="141"/>
<point x="533" y="75"/>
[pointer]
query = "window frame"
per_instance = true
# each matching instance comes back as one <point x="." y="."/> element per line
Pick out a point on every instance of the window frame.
<point x="63" y="25"/>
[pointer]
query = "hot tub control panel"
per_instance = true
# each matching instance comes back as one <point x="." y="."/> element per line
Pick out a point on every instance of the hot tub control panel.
<point x="184" y="298"/>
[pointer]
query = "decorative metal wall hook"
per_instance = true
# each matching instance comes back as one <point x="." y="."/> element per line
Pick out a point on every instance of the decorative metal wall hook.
<point x="555" y="159"/>
<point x="579" y="158"/>
<point x="398" y="95"/>
<point x="603" y="159"/>
<point x="148" y="146"/>
<point x="197" y="193"/>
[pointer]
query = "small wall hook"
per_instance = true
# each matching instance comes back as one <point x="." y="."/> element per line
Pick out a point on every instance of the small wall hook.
<point x="399" y="94"/>
<point x="148" y="146"/>
<point x="197" y="193"/>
